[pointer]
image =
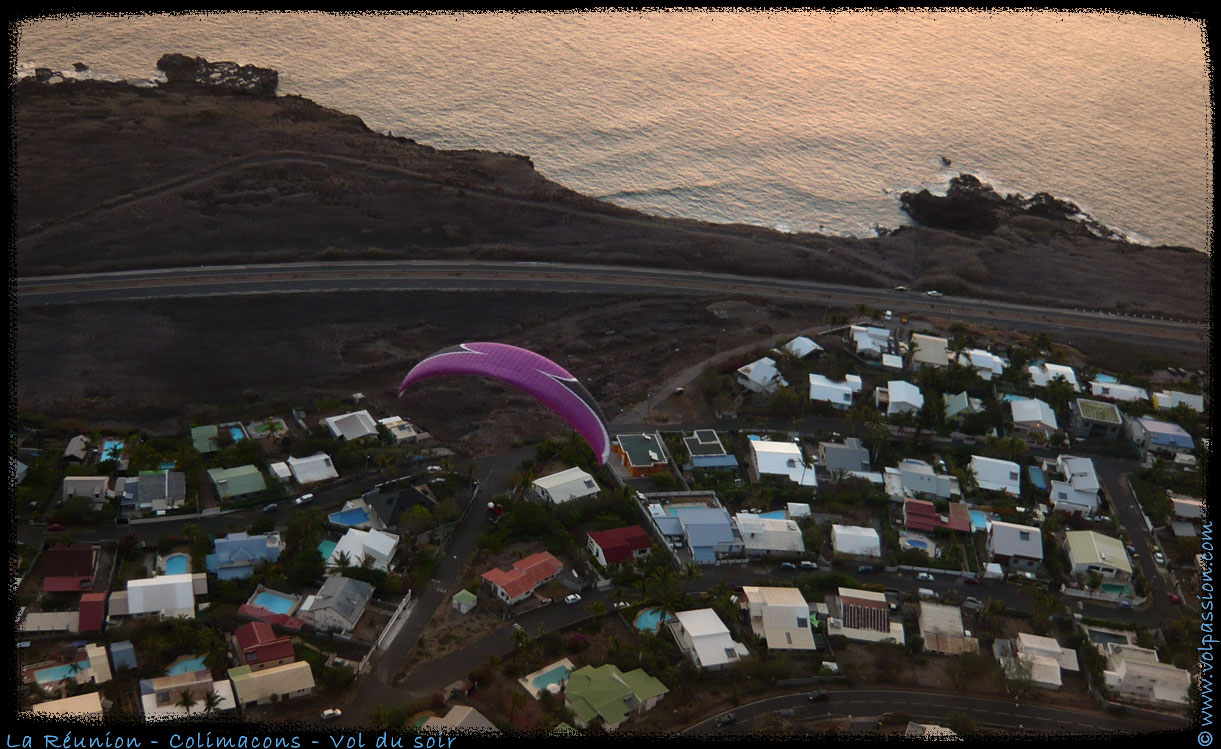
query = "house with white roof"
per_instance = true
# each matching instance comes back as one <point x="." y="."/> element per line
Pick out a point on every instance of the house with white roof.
<point x="942" y="631"/>
<point x="801" y="347"/>
<point x="166" y="595"/>
<point x="352" y="426"/>
<point x="1078" y="491"/>
<point x="761" y="376"/>
<point x="272" y="685"/>
<point x="856" y="540"/>
<point x="1117" y="391"/>
<point x="1033" y="416"/>
<point x="851" y="455"/>
<point x="1188" y="508"/>
<point x="88" y="705"/>
<point x="996" y="475"/>
<point x="985" y="363"/>
<point x="1089" y="551"/>
<point x="763" y="536"/>
<point x="1136" y="673"/>
<point x="159" y="697"/>
<point x="871" y="342"/>
<point x="779" y="458"/>
<point x="797" y="510"/>
<point x="311" y="470"/>
<point x="862" y="615"/>
<point x="900" y="398"/>
<point x="564" y="486"/>
<point x="779" y="615"/>
<point x="838" y="394"/>
<point x="916" y="478"/>
<point x="1045" y="658"/>
<point x="358" y="544"/>
<point x="1168" y="399"/>
<point x="1015" y="547"/>
<point x="1042" y="374"/>
<point x="703" y="637"/>
<point x="929" y="351"/>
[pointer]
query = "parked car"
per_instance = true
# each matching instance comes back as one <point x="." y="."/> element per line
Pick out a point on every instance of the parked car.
<point x="1159" y="557"/>
<point x="270" y="508"/>
<point x="927" y="594"/>
<point x="331" y="713"/>
<point x="924" y="576"/>
<point x="819" y="696"/>
<point x="934" y="292"/>
<point x="620" y="605"/>
<point x="900" y="288"/>
<point x="888" y="315"/>
<point x="575" y="597"/>
<point x="55" y="528"/>
<point x="304" y="499"/>
<point x="23" y="644"/>
<point x="433" y="469"/>
<point x="973" y="602"/>
<point x="787" y="566"/>
<point x="808" y="565"/>
<point x="1174" y="597"/>
<point x="725" y="720"/>
<point x="785" y="712"/>
<point x="865" y="568"/>
<point x="971" y="580"/>
<point x="1125" y="604"/>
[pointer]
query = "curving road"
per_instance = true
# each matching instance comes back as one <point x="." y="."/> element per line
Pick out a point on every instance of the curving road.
<point x="574" y="278"/>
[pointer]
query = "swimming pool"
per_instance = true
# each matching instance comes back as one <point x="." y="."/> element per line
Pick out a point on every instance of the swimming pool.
<point x="1119" y="589"/>
<point x="1102" y="637"/>
<point x="59" y="673"/>
<point x="916" y="543"/>
<point x="778" y="514"/>
<point x="649" y="620"/>
<point x="355" y="516"/>
<point x="554" y="676"/>
<point x="237" y="433"/>
<point x="192" y="664"/>
<point x="112" y="449"/>
<point x="1105" y="378"/>
<point x="326" y="548"/>
<point x="177" y="564"/>
<point x="673" y="509"/>
<point x="274" y="602"/>
<point x="979" y="521"/>
<point x="1010" y="398"/>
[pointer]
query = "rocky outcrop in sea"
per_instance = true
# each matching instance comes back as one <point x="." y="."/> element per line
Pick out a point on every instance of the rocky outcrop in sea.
<point x="971" y="205"/>
<point x="247" y="79"/>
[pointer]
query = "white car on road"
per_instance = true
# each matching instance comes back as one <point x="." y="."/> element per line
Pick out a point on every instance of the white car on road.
<point x="572" y="598"/>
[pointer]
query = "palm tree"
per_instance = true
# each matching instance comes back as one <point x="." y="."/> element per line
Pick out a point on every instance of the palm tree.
<point x="596" y="608"/>
<point x="385" y="463"/>
<point x="211" y="701"/>
<point x="691" y="570"/>
<point x="342" y="563"/>
<point x="273" y="426"/>
<point x="186" y="700"/>
<point x="521" y="639"/>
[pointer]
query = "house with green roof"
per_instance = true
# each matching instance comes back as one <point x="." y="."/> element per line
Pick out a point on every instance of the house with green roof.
<point x="1094" y="419"/>
<point x="205" y="439"/>
<point x="464" y="601"/>
<point x="232" y="483"/>
<point x="608" y="694"/>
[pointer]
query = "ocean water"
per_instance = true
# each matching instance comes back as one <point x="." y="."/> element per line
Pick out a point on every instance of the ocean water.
<point x="800" y="121"/>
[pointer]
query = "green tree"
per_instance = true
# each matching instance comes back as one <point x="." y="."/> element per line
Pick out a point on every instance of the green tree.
<point x="186" y="700"/>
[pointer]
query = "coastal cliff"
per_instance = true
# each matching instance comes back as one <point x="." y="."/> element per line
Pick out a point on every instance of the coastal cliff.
<point x="213" y="166"/>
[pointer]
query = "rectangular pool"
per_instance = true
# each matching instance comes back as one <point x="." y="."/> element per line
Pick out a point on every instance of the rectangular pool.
<point x="274" y="602"/>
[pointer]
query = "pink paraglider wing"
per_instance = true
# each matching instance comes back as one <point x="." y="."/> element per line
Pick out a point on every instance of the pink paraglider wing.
<point x="542" y="378"/>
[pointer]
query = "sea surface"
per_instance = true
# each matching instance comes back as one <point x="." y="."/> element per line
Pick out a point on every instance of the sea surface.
<point x="800" y="121"/>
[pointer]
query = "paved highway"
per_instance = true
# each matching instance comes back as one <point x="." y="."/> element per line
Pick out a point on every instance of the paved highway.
<point x="572" y="278"/>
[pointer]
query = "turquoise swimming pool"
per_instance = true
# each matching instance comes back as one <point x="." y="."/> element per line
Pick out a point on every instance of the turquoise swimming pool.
<point x="672" y="510"/>
<point x="177" y="564"/>
<point x="193" y="664"/>
<point x="112" y="449"/>
<point x="649" y="620"/>
<point x="554" y="676"/>
<point x="1118" y="589"/>
<point x="979" y="521"/>
<point x="59" y="673"/>
<point x="1105" y="378"/>
<point x="1103" y="637"/>
<point x="326" y="548"/>
<point x="776" y="515"/>
<point x="274" y="602"/>
<point x="237" y="434"/>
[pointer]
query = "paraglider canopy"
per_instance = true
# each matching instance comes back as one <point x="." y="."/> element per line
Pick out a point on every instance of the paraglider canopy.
<point x="547" y="381"/>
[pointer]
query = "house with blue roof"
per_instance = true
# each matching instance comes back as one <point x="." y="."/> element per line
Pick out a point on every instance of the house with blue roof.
<point x="709" y="533"/>
<point x="1159" y="437"/>
<point x="237" y="554"/>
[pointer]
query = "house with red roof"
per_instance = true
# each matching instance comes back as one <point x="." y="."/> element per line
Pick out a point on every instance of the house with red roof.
<point x="92" y="614"/>
<point x="260" y="614"/>
<point x="69" y="569"/>
<point x="521" y="580"/>
<point x="922" y="515"/>
<point x="620" y="545"/>
<point x="258" y="646"/>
